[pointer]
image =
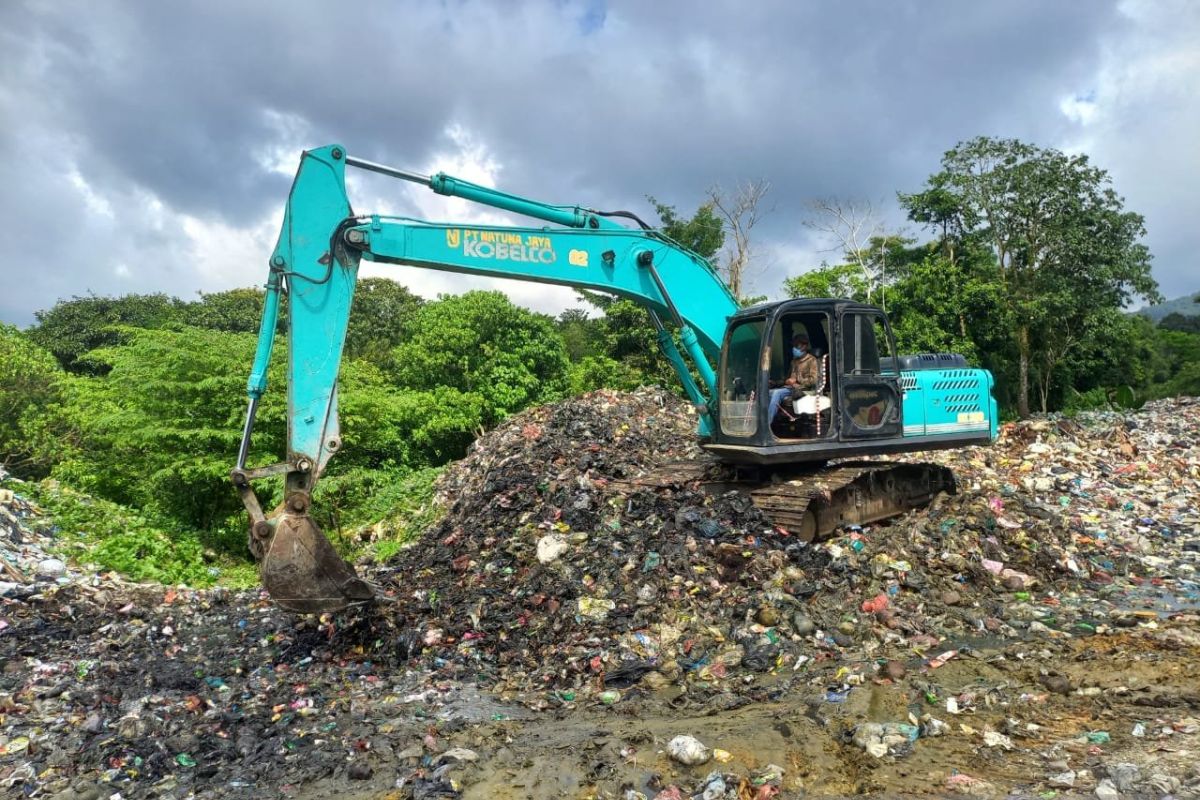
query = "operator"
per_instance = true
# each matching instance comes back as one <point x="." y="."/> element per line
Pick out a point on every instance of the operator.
<point x="802" y="377"/>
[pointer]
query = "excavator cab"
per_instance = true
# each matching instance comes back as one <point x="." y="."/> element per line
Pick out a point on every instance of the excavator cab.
<point x="857" y="405"/>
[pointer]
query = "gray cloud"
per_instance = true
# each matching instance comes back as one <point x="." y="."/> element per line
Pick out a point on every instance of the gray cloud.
<point x="140" y="139"/>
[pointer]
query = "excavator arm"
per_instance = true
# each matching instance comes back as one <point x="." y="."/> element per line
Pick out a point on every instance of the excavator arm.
<point x="316" y="261"/>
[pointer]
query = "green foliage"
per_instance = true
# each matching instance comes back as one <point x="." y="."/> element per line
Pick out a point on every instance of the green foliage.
<point x="137" y="544"/>
<point x="602" y="372"/>
<point x="482" y="345"/>
<point x="939" y="305"/>
<point x="1103" y="397"/>
<point x="581" y="334"/>
<point x="376" y="506"/>
<point x="1126" y="397"/>
<point x="1179" y="322"/>
<point x="31" y="388"/>
<point x="1063" y="246"/>
<point x="703" y="233"/>
<point x="156" y="425"/>
<point x="378" y="318"/>
<point x="80" y="325"/>
<point x="1180" y="352"/>
<point x="1076" y="401"/>
<point x="160" y="431"/>
<point x="841" y="280"/>
<point x="631" y="339"/>
<point x="620" y="349"/>
<point x="385" y="427"/>
<point x="234" y="311"/>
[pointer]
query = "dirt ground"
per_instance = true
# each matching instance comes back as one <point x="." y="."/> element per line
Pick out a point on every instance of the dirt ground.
<point x="1146" y="677"/>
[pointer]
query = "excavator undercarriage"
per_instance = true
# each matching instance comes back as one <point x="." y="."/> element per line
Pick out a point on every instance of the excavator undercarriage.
<point x="811" y="501"/>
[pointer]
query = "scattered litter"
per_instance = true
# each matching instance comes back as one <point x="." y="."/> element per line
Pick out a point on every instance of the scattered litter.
<point x="556" y="584"/>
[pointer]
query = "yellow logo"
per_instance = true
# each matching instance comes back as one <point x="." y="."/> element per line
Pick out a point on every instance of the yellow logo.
<point x="578" y="258"/>
<point x="453" y="237"/>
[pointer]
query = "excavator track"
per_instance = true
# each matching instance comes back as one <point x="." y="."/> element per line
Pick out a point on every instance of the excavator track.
<point x="810" y="503"/>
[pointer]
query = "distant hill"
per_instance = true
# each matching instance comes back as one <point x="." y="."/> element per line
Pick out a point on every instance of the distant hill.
<point x="1188" y="305"/>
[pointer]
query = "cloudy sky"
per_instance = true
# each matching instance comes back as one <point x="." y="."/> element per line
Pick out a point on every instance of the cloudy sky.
<point x="148" y="146"/>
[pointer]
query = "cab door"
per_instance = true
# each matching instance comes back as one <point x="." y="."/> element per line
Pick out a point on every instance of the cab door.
<point x="869" y="400"/>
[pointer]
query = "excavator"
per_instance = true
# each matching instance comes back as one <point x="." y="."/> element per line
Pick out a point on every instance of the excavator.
<point x="799" y="467"/>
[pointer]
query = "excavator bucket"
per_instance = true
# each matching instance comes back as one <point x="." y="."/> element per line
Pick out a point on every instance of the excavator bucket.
<point x="302" y="571"/>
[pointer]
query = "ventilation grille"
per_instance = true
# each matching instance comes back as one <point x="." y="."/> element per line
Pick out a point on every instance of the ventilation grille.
<point x="957" y="379"/>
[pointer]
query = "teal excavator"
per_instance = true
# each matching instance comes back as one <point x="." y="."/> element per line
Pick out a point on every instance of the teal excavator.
<point x="797" y="466"/>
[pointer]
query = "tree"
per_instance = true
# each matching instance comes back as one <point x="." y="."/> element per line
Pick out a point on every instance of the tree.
<point x="853" y="278"/>
<point x="602" y="372"/>
<point x="740" y="212"/>
<point x="480" y="343"/>
<point x="1181" y="352"/>
<point x="841" y="280"/>
<point x="631" y="339"/>
<point x="1062" y="241"/>
<point x="232" y="311"/>
<point x="627" y="334"/>
<point x="581" y="334"/>
<point x="1180" y="322"/>
<point x="72" y="328"/>
<point x="944" y="306"/>
<point x="702" y="233"/>
<point x="159" y="428"/>
<point x="378" y="318"/>
<point x="854" y="225"/>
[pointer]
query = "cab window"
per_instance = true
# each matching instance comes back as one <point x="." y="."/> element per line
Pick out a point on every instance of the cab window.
<point x="739" y="378"/>
<point x="860" y="345"/>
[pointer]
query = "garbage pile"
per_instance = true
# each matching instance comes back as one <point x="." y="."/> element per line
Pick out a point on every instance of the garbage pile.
<point x="551" y="571"/>
<point x="1031" y="625"/>
<point x="1066" y="525"/>
<point x="24" y="562"/>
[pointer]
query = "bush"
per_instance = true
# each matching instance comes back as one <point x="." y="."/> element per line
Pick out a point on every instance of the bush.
<point x="1090" y="400"/>
<point x="602" y="372"/>
<point x="385" y="509"/>
<point x="160" y="430"/>
<point x="31" y="388"/>
<point x="138" y="545"/>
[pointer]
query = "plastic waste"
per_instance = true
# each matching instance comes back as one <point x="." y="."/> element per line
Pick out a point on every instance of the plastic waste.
<point x="688" y="750"/>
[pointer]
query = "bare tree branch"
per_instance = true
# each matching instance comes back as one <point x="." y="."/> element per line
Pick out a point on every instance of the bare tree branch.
<point x="740" y="211"/>
<point x="852" y="224"/>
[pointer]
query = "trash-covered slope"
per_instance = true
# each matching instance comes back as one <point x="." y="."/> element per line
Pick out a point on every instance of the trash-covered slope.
<point x="547" y="573"/>
<point x="1039" y="623"/>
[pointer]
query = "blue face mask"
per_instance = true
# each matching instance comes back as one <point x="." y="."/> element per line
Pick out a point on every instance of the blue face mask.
<point x="797" y="352"/>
